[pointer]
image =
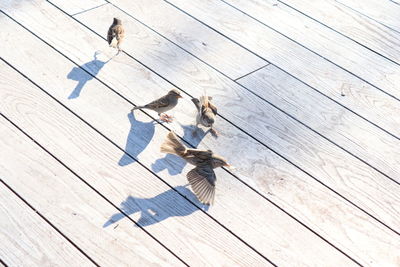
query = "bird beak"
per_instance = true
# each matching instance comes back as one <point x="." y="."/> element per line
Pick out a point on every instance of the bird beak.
<point x="178" y="96"/>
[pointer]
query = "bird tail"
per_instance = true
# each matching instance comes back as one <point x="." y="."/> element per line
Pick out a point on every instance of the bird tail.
<point x="172" y="145"/>
<point x="137" y="107"/>
<point x="114" y="42"/>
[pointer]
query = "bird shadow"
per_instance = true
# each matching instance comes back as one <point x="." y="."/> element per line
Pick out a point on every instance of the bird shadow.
<point x="173" y="163"/>
<point x="140" y="135"/>
<point x="161" y="207"/>
<point x="82" y="77"/>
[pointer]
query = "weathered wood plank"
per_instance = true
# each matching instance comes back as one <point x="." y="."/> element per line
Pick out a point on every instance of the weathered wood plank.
<point x="142" y="139"/>
<point x="70" y="205"/>
<point x="298" y="144"/>
<point x="331" y="120"/>
<point x="344" y="52"/>
<point x="268" y="163"/>
<point x="384" y="12"/>
<point x="358" y="27"/>
<point x="75" y="7"/>
<point x="26" y="239"/>
<point x="78" y="146"/>
<point x="325" y="77"/>
<point x="209" y="46"/>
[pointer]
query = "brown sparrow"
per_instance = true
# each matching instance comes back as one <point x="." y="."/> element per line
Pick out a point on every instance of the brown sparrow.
<point x="202" y="178"/>
<point x="116" y="34"/>
<point x="163" y="104"/>
<point x="206" y="112"/>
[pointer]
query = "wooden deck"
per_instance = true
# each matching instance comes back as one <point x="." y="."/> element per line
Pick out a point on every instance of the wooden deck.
<point x="308" y="94"/>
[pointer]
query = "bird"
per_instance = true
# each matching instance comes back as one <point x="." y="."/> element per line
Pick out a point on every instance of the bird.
<point x="206" y="112"/>
<point x="116" y="34"/>
<point x="163" y="104"/>
<point x="202" y="178"/>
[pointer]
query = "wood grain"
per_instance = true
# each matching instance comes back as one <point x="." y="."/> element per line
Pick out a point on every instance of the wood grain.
<point x="327" y="162"/>
<point x="69" y="204"/>
<point x="209" y="46"/>
<point x="26" y="239"/>
<point x="329" y="119"/>
<point x="310" y="68"/>
<point x="329" y="44"/>
<point x="280" y="181"/>
<point x="75" y="7"/>
<point x="385" y="12"/>
<point x="95" y="159"/>
<point x="141" y="138"/>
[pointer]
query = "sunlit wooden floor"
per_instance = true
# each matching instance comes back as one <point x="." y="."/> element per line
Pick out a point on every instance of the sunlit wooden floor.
<point x="308" y="95"/>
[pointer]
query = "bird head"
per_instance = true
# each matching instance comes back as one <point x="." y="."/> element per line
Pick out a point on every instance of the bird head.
<point x="174" y="93"/>
<point x="218" y="161"/>
<point x="117" y="21"/>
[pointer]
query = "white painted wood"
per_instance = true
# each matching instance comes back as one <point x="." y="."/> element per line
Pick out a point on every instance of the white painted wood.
<point x="76" y="7"/>
<point x="63" y="199"/>
<point x="331" y="120"/>
<point x="197" y="239"/>
<point x="294" y="141"/>
<point x="108" y="113"/>
<point x="285" y="184"/>
<point x="303" y="64"/>
<point x="26" y="239"/>
<point x="344" y="52"/>
<point x="356" y="26"/>
<point x="385" y="12"/>
<point x="209" y="46"/>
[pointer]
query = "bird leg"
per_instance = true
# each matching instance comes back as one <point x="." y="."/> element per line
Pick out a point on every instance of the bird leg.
<point x="165" y="117"/>
<point x="214" y="132"/>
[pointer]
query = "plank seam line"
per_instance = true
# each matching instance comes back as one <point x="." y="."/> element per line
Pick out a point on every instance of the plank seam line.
<point x="251" y="72"/>
<point x="192" y="146"/>
<point x="254" y="139"/>
<point x="86" y="10"/>
<point x="91" y="187"/>
<point x="43" y="217"/>
<point x="365" y="15"/>
<point x="394" y="2"/>
<point x="2" y="262"/>
<point x="141" y="164"/>
<point x="288" y="73"/>
<point x="342" y="34"/>
<point x="276" y="107"/>
<point x="312" y="51"/>
<point x="164" y="37"/>
<point x="234" y="126"/>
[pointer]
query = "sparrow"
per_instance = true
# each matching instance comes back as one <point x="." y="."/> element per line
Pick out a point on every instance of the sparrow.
<point x="116" y="34"/>
<point x="206" y="112"/>
<point x="163" y="104"/>
<point x="201" y="178"/>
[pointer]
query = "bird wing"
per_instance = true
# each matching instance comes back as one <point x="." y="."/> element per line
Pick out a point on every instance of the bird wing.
<point x="159" y="103"/>
<point x="200" y="154"/>
<point x="110" y="34"/>
<point x="202" y="180"/>
<point x="213" y="108"/>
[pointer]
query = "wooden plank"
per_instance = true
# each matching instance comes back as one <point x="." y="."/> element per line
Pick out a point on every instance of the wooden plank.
<point x="285" y="237"/>
<point x="292" y="140"/>
<point x="356" y="26"/>
<point x="26" y="239"/>
<point x="384" y="12"/>
<point x="78" y="146"/>
<point x="325" y="77"/>
<point x="75" y="7"/>
<point x="209" y="46"/>
<point x="349" y="131"/>
<point x="281" y="177"/>
<point x="344" y="52"/>
<point x="66" y="202"/>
